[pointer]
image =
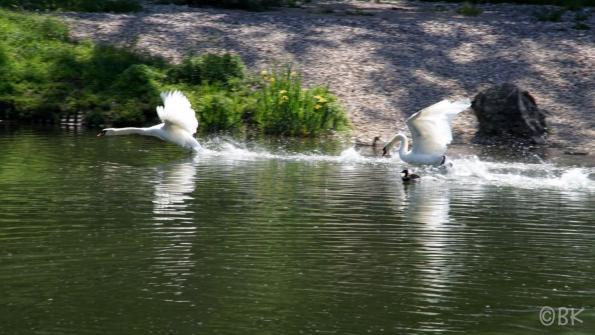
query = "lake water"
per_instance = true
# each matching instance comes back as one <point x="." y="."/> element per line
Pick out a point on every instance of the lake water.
<point x="130" y="235"/>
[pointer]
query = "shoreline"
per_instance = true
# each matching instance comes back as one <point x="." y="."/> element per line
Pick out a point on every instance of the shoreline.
<point x="388" y="62"/>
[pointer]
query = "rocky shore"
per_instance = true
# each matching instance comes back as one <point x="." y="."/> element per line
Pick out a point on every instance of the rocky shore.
<point x="386" y="61"/>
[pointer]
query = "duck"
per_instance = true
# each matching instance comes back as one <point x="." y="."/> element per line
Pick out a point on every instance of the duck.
<point x="360" y="143"/>
<point x="409" y="177"/>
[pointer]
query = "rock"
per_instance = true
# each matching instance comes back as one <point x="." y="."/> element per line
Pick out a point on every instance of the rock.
<point x="505" y="112"/>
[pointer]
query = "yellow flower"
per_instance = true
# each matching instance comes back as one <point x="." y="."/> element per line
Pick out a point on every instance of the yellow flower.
<point x="293" y="73"/>
<point x="317" y="97"/>
<point x="282" y="92"/>
<point x="272" y="79"/>
<point x="322" y="100"/>
<point x="284" y="98"/>
<point x="317" y="106"/>
<point x="263" y="73"/>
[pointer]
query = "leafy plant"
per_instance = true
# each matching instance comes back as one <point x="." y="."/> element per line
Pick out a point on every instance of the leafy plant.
<point x="468" y="9"/>
<point x="226" y="69"/>
<point x="284" y="107"/>
<point x="220" y="109"/>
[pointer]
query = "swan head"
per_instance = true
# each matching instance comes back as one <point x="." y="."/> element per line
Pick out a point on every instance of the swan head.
<point x="406" y="172"/>
<point x="106" y="131"/>
<point x="388" y="147"/>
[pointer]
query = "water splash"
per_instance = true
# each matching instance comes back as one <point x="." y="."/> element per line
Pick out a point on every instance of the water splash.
<point x="237" y="152"/>
<point x="522" y="175"/>
<point x="466" y="169"/>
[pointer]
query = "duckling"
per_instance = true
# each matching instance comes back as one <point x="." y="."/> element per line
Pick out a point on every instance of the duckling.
<point x="409" y="177"/>
<point x="360" y="143"/>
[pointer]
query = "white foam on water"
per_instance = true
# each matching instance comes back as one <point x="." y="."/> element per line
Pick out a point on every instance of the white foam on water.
<point x="461" y="170"/>
<point x="521" y="175"/>
<point x="232" y="151"/>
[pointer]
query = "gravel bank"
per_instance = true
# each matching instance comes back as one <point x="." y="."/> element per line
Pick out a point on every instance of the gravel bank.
<point x="391" y="61"/>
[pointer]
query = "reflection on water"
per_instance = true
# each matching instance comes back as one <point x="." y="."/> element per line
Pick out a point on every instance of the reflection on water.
<point x="173" y="187"/>
<point x="130" y="235"/>
<point x="173" y="261"/>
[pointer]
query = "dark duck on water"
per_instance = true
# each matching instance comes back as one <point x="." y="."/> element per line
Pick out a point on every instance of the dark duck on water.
<point x="409" y="177"/>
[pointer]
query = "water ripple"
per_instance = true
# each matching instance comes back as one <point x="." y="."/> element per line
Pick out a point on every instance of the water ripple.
<point x="129" y="233"/>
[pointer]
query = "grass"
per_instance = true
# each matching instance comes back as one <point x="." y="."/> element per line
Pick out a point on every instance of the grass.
<point x="74" y="5"/>
<point x="468" y="9"/>
<point x="45" y="75"/>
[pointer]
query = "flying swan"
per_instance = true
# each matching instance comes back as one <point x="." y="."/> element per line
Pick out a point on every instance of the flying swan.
<point x="178" y="125"/>
<point x="430" y="132"/>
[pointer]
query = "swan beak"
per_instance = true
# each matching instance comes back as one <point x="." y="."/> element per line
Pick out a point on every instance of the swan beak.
<point x="384" y="152"/>
<point x="101" y="133"/>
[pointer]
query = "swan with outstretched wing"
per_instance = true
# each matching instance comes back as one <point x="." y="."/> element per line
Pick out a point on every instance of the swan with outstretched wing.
<point x="178" y="125"/>
<point x="430" y="132"/>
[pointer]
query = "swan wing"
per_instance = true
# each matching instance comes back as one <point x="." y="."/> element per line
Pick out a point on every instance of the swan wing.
<point x="430" y="127"/>
<point x="177" y="111"/>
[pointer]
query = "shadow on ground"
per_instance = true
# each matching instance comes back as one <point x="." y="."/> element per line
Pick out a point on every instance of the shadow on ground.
<point x="390" y="62"/>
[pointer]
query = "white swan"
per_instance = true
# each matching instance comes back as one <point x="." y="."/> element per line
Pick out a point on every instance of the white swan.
<point x="178" y="127"/>
<point x="430" y="132"/>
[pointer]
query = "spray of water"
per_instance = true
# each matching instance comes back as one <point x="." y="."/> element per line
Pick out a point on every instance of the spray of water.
<point x="467" y="169"/>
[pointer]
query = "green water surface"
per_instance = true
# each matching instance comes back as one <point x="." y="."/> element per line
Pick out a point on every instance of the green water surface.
<point x="130" y="235"/>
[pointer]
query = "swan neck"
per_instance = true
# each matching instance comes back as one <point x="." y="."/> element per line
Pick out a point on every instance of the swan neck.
<point x="127" y="131"/>
<point x="403" y="149"/>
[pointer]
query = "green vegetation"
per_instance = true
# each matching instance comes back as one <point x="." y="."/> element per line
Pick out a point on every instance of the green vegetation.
<point x="468" y="9"/>
<point x="226" y="69"/>
<point x="240" y="4"/>
<point x="45" y="75"/>
<point x="74" y="5"/>
<point x="283" y="107"/>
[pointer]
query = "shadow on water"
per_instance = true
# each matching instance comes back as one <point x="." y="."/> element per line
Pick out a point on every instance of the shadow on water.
<point x="101" y="235"/>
